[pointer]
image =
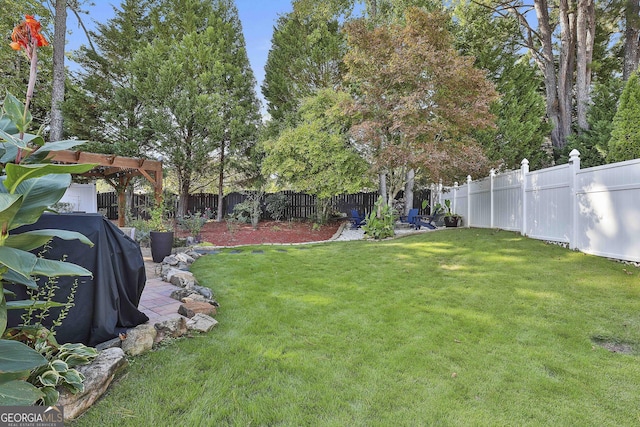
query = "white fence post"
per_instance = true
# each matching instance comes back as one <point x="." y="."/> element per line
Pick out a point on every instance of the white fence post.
<point x="492" y="176"/>
<point x="468" y="201"/>
<point x="455" y="196"/>
<point x="524" y="167"/>
<point x="432" y="187"/>
<point x="574" y="168"/>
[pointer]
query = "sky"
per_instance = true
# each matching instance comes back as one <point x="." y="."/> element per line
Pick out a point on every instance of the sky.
<point x="258" y="18"/>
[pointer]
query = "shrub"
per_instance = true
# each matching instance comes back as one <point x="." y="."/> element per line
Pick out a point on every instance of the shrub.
<point x="193" y="224"/>
<point x="276" y="205"/>
<point x="381" y="221"/>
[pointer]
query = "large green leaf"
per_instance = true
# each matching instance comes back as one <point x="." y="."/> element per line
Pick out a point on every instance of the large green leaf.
<point x="32" y="304"/>
<point x="39" y="194"/>
<point x="19" y="393"/>
<point x="53" y="268"/>
<point x="12" y="140"/>
<point x="16" y="112"/>
<point x="9" y="153"/>
<point x="8" y="126"/>
<point x="17" y="357"/>
<point x="16" y="174"/>
<point x="3" y="312"/>
<point x="41" y="154"/>
<point x="30" y="240"/>
<point x="19" y="261"/>
<point x="9" y="206"/>
<point x="11" y="276"/>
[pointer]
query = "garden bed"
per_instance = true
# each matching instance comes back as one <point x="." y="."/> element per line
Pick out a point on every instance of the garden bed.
<point x="235" y="234"/>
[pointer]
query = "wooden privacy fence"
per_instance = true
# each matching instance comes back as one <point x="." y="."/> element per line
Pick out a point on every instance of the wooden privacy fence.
<point x="594" y="210"/>
<point x="300" y="205"/>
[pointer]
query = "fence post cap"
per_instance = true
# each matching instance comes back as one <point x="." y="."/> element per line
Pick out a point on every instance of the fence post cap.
<point x="524" y="162"/>
<point x="455" y="184"/>
<point x="469" y="178"/>
<point x="492" y="172"/>
<point x="574" y="153"/>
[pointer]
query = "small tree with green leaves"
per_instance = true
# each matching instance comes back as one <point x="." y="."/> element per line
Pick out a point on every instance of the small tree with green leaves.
<point x="625" y="135"/>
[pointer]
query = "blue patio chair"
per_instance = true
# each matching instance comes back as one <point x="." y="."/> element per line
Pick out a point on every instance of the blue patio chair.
<point x="357" y="219"/>
<point x="411" y="218"/>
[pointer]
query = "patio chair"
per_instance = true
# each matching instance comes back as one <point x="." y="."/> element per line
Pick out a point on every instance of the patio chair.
<point x="430" y="220"/>
<point x="357" y="219"/>
<point x="411" y="218"/>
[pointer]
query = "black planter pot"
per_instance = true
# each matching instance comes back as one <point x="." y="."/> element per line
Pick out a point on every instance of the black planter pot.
<point x="451" y="221"/>
<point x="161" y="244"/>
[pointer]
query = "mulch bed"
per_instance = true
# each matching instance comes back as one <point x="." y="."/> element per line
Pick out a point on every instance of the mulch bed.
<point x="234" y="234"/>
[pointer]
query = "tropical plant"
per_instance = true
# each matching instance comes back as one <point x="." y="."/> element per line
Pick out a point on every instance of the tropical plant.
<point x="381" y="221"/>
<point x="29" y="187"/>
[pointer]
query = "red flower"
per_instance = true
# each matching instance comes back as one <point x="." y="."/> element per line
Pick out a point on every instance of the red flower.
<point x="27" y="34"/>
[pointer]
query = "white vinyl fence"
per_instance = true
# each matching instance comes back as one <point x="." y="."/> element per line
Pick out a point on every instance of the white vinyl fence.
<point x="594" y="210"/>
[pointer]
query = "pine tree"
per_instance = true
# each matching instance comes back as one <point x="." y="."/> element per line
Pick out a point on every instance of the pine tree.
<point x="306" y="55"/>
<point x="197" y="90"/>
<point x="625" y="134"/>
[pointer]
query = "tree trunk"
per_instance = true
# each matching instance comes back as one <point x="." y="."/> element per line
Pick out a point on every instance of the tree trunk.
<point x="585" y="36"/>
<point x="566" y="68"/>
<point x="219" y="214"/>
<point x="59" y="74"/>
<point x="408" y="190"/>
<point x="631" y="38"/>
<point x="184" y="184"/>
<point x="546" y="63"/>
<point x="382" y="176"/>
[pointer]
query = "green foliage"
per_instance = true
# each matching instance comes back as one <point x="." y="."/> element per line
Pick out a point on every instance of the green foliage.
<point x="625" y="133"/>
<point x="305" y="56"/>
<point x="159" y="220"/>
<point x="28" y="188"/>
<point x="593" y="143"/>
<point x="249" y="210"/>
<point x="381" y="221"/>
<point x="192" y="223"/>
<point x="520" y="112"/>
<point x="276" y="205"/>
<point x="59" y="362"/>
<point x="316" y="156"/>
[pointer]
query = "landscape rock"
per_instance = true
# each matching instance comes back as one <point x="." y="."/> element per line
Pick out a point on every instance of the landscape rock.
<point x="167" y="271"/>
<point x="179" y="294"/>
<point x="173" y="328"/>
<point x="171" y="260"/>
<point x="195" y="297"/>
<point x="193" y="254"/>
<point x="205" y="292"/>
<point x="183" y="266"/>
<point x="98" y="376"/>
<point x="201" y="323"/>
<point x="190" y="309"/>
<point x="139" y="340"/>
<point x="184" y="279"/>
<point x="183" y="257"/>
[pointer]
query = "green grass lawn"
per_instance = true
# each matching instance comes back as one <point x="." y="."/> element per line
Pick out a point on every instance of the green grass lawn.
<point x="458" y="327"/>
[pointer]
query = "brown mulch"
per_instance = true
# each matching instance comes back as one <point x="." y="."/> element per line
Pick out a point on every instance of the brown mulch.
<point x="234" y="234"/>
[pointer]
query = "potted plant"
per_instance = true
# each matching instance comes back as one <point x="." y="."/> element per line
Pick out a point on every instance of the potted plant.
<point x="161" y="234"/>
<point x="451" y="219"/>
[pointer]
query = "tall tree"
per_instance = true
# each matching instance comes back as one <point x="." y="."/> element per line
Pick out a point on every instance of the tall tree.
<point x="316" y="155"/>
<point x="564" y="61"/>
<point x="521" y="127"/>
<point x="59" y="73"/>
<point x="625" y="133"/>
<point x="198" y="98"/>
<point x="102" y="106"/>
<point x="305" y="56"/>
<point x="416" y="98"/>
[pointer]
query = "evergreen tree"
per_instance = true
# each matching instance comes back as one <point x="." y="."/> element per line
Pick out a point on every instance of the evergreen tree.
<point x="102" y="106"/>
<point x="625" y="134"/>
<point x="520" y="126"/>
<point x="593" y="143"/>
<point x="306" y="55"/>
<point x="197" y="90"/>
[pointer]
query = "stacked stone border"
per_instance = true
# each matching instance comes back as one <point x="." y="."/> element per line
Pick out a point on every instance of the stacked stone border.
<point x="195" y="316"/>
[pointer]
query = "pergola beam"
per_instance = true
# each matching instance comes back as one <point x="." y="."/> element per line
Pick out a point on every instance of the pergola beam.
<point x="124" y="168"/>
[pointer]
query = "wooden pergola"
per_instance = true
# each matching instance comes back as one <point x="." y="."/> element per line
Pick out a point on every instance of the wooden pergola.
<point x="117" y="171"/>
